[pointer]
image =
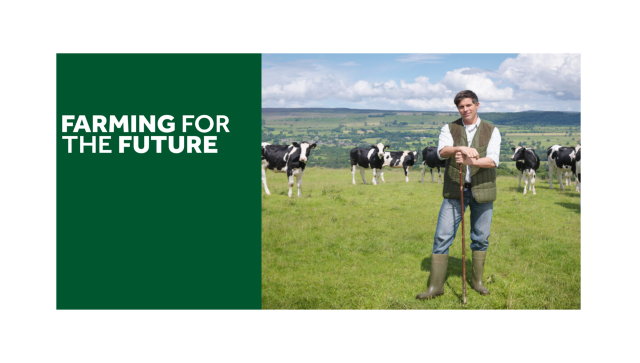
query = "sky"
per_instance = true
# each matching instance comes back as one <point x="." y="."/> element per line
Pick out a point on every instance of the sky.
<point x="422" y="82"/>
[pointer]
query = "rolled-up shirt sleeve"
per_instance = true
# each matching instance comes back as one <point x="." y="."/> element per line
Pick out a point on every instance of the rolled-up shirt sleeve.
<point x="446" y="139"/>
<point x="493" y="149"/>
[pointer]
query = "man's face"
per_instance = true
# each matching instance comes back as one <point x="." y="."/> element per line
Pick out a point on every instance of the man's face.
<point x="468" y="110"/>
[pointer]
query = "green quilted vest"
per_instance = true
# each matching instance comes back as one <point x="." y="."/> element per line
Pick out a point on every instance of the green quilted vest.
<point x="483" y="180"/>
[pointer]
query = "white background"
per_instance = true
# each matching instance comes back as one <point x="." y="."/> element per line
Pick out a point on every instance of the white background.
<point x="31" y="330"/>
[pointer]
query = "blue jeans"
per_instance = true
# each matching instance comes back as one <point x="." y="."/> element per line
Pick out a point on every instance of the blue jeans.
<point x="449" y="219"/>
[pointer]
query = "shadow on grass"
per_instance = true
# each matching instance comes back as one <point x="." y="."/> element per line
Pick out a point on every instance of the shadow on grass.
<point x="454" y="268"/>
<point x="568" y="193"/>
<point x="521" y="191"/>
<point x="572" y="206"/>
<point x="571" y="188"/>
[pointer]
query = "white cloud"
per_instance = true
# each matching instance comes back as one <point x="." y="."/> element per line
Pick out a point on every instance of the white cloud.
<point x="557" y="74"/>
<point x="534" y="82"/>
<point x="518" y="108"/>
<point x="478" y="82"/>
<point x="349" y="64"/>
<point x="420" y="94"/>
<point x="420" y="58"/>
<point x="300" y="81"/>
<point x="392" y="93"/>
<point x="429" y="104"/>
<point x="303" y="89"/>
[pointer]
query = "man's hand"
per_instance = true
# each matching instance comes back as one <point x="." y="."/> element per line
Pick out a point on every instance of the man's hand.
<point x="480" y="163"/>
<point x="468" y="151"/>
<point x="449" y="151"/>
<point x="463" y="159"/>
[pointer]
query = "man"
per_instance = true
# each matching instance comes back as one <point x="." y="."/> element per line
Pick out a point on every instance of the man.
<point x="476" y="145"/>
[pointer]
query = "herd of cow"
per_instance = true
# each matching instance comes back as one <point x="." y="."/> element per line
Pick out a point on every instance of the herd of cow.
<point x="292" y="159"/>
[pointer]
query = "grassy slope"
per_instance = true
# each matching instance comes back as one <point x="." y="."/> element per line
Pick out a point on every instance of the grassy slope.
<point x="344" y="246"/>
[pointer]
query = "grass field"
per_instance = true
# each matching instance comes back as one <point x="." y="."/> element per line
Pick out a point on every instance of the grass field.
<point x="344" y="246"/>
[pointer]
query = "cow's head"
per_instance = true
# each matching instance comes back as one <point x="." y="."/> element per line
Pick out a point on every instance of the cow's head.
<point x="305" y="150"/>
<point x="518" y="153"/>
<point x="415" y="156"/>
<point x="380" y="149"/>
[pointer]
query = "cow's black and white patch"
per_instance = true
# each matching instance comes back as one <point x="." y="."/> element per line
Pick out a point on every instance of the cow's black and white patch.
<point x="367" y="158"/>
<point x="399" y="159"/>
<point x="527" y="163"/>
<point x="430" y="159"/>
<point x="290" y="159"/>
<point x="561" y="159"/>
<point x="578" y="167"/>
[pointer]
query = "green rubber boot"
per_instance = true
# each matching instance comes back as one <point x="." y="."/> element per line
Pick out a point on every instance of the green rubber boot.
<point x="438" y="275"/>
<point x="478" y="268"/>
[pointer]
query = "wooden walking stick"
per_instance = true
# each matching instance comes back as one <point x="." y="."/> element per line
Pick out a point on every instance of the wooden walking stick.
<point x="464" y="274"/>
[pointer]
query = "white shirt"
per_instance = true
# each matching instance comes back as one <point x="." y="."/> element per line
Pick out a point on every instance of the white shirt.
<point x="493" y="149"/>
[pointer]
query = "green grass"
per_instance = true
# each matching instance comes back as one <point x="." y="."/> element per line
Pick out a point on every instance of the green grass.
<point x="553" y="139"/>
<point x="344" y="246"/>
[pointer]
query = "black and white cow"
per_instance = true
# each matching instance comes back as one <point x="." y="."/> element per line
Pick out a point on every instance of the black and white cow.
<point x="567" y="174"/>
<point x="527" y="162"/>
<point x="578" y="168"/>
<point x="399" y="159"/>
<point x="430" y="158"/>
<point x="567" y="177"/>
<point x="560" y="159"/>
<point x="366" y="158"/>
<point x="290" y="159"/>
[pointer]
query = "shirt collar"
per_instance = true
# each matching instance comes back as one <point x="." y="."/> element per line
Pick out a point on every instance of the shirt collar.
<point x="473" y="127"/>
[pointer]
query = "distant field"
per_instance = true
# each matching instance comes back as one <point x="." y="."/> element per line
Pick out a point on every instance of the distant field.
<point x="537" y="134"/>
<point x="344" y="246"/>
<point x="412" y="131"/>
<point x="556" y="139"/>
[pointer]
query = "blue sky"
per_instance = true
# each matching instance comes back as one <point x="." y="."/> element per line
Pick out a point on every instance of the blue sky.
<point x="503" y="82"/>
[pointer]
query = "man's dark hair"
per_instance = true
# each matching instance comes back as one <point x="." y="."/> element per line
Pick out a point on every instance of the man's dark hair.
<point x="466" y="94"/>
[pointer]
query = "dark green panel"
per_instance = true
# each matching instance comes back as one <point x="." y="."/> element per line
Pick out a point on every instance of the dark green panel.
<point x="159" y="231"/>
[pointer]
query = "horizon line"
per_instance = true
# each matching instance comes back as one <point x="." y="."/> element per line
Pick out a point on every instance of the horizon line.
<point x="376" y="110"/>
